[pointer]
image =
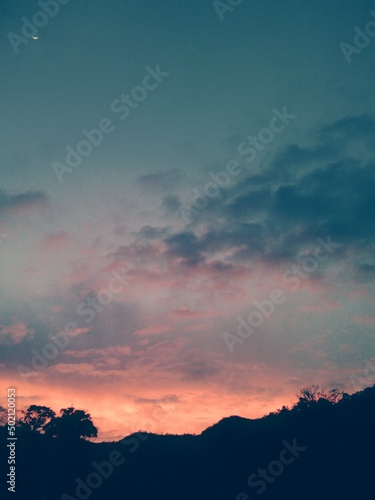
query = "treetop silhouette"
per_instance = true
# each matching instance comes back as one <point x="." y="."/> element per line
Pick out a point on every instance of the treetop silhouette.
<point x="71" y="425"/>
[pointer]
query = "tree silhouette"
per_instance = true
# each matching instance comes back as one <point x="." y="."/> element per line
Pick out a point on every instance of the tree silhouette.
<point x="333" y="395"/>
<point x="3" y="416"/>
<point x="37" y="417"/>
<point x="72" y="425"/>
<point x="311" y="396"/>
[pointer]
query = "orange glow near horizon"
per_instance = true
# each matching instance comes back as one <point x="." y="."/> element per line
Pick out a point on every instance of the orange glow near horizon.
<point x="118" y="413"/>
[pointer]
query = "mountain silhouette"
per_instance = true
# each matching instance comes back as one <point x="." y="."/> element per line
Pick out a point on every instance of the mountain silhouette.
<point x="318" y="449"/>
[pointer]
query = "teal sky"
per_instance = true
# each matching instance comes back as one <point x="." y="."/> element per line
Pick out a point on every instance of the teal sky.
<point x="120" y="208"/>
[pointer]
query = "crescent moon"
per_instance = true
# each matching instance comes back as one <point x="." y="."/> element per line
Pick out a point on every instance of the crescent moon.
<point x="35" y="37"/>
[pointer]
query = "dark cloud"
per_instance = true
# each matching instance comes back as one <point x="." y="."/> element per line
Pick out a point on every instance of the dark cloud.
<point x="336" y="199"/>
<point x="197" y="365"/>
<point x="171" y="206"/>
<point x="351" y="127"/>
<point x="160" y="182"/>
<point x="364" y="273"/>
<point x="152" y="233"/>
<point x="310" y="191"/>
<point x="169" y="398"/>
<point x="221" y="266"/>
<point x="186" y="246"/>
<point x="306" y="192"/>
<point x="294" y="157"/>
<point x="28" y="199"/>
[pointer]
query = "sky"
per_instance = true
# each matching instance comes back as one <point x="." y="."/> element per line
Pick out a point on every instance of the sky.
<point x="186" y="206"/>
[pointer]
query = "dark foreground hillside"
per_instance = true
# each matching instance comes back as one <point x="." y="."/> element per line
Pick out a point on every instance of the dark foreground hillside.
<point x="317" y="450"/>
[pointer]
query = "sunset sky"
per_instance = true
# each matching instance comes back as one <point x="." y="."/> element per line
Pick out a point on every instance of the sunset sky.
<point x="149" y="278"/>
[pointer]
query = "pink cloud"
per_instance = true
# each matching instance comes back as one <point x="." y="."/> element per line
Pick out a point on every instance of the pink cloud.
<point x="364" y="320"/>
<point x="154" y="329"/>
<point x="79" y="272"/>
<point x="321" y="306"/>
<point x="15" y="334"/>
<point x="55" y="242"/>
<point x="206" y="387"/>
<point x="78" y="331"/>
<point x="187" y="312"/>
